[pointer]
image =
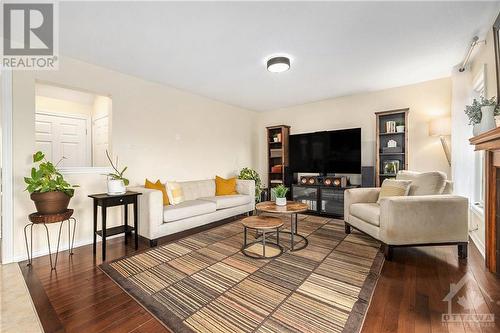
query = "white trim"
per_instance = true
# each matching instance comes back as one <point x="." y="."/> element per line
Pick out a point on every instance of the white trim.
<point x="62" y="247"/>
<point x="479" y="245"/>
<point x="85" y="170"/>
<point x="7" y="172"/>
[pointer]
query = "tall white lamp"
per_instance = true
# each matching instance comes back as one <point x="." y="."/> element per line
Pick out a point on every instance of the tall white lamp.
<point x="441" y="127"/>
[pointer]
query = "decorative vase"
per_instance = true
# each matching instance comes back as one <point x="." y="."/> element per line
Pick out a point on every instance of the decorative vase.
<point x="487" y="118"/>
<point x="400" y="129"/>
<point x="51" y="202"/>
<point x="280" y="201"/>
<point x="497" y="121"/>
<point x="116" y="187"/>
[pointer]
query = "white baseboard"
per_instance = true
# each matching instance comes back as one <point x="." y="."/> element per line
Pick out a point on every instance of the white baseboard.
<point x="62" y="247"/>
<point x="480" y="246"/>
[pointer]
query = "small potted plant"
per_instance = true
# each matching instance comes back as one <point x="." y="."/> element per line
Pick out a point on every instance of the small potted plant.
<point x="400" y="127"/>
<point x="482" y="114"/>
<point x="116" y="181"/>
<point x="250" y="174"/>
<point x="280" y="192"/>
<point x="47" y="187"/>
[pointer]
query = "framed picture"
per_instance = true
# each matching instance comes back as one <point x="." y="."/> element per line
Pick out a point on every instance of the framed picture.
<point x="391" y="167"/>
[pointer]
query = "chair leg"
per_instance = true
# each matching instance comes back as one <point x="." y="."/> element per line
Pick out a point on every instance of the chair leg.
<point x="462" y="250"/>
<point x="388" y="249"/>
<point x="347" y="228"/>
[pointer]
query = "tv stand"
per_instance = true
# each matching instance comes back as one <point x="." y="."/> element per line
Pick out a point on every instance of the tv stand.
<point x="321" y="199"/>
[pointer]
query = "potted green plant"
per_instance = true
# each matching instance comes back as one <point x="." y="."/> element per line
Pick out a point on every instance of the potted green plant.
<point x="250" y="174"/>
<point x="400" y="127"/>
<point x="482" y="114"/>
<point x="280" y="192"/>
<point x="116" y="181"/>
<point x="47" y="187"/>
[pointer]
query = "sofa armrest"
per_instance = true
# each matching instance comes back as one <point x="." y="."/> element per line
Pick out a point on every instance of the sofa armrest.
<point x="359" y="195"/>
<point x="246" y="187"/>
<point x="424" y="219"/>
<point x="150" y="207"/>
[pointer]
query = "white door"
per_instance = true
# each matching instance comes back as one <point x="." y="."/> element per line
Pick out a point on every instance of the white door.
<point x="63" y="135"/>
<point x="100" y="139"/>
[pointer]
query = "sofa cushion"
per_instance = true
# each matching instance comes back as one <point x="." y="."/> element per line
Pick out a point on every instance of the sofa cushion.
<point x="187" y="209"/>
<point x="368" y="212"/>
<point x="198" y="188"/>
<point x="227" y="201"/>
<point x="394" y="188"/>
<point x="424" y="183"/>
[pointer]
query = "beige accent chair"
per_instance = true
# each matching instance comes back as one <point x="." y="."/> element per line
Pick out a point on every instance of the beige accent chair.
<point x="429" y="215"/>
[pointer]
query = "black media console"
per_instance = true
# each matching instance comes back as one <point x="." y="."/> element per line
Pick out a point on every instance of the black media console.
<point x="321" y="199"/>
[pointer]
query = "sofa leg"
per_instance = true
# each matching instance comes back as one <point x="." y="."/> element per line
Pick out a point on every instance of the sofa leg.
<point x="462" y="250"/>
<point x="250" y="213"/>
<point x="347" y="228"/>
<point x="388" y="249"/>
<point x="153" y="242"/>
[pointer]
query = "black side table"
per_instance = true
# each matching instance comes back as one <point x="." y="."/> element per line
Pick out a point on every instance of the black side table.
<point x="105" y="200"/>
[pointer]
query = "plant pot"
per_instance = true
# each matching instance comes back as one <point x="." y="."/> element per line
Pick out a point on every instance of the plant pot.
<point x="51" y="202"/>
<point x="116" y="187"/>
<point x="280" y="201"/>
<point x="487" y="118"/>
<point x="400" y="129"/>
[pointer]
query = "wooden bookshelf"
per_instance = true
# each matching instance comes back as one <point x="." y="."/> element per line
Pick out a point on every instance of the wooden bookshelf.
<point x="277" y="154"/>
<point x="399" y="116"/>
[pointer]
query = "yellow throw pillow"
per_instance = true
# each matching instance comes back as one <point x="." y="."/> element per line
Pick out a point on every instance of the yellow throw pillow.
<point x="158" y="186"/>
<point x="174" y="192"/>
<point x="394" y="188"/>
<point x="225" y="186"/>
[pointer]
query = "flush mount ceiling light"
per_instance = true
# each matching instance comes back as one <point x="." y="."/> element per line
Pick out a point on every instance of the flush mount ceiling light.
<point x="278" y="64"/>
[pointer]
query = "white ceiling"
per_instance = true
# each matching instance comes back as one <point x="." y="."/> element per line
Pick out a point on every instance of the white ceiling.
<point x="218" y="49"/>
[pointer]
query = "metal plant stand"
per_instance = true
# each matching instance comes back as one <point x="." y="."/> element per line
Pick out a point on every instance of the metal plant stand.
<point x="44" y="219"/>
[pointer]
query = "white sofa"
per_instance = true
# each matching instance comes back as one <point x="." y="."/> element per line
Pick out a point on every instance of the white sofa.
<point x="201" y="206"/>
<point x="429" y="215"/>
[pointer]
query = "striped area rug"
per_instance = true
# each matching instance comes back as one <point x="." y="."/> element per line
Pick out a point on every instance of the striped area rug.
<point x="203" y="283"/>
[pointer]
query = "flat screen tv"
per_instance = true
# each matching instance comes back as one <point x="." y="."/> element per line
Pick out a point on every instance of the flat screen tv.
<point x="326" y="152"/>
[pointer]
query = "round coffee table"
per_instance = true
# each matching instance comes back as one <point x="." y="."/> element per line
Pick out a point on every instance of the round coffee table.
<point x="263" y="225"/>
<point x="293" y="208"/>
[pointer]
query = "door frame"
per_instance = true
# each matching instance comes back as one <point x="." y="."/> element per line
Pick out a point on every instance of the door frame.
<point x="7" y="172"/>
<point x="88" y="124"/>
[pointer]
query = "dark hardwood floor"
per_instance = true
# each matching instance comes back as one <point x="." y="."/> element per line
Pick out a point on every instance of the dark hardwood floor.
<point x="79" y="297"/>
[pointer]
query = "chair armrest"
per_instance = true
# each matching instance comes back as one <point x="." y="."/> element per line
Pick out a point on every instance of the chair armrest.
<point x="246" y="187"/>
<point x="424" y="219"/>
<point x="359" y="195"/>
<point x="150" y="207"/>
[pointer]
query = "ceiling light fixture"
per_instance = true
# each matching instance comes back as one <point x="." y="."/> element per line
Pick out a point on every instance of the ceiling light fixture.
<point x="278" y="64"/>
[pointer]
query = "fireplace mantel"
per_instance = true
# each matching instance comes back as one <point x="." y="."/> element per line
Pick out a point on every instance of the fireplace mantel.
<point x="490" y="143"/>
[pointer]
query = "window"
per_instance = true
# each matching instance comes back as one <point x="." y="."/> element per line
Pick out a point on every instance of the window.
<point x="479" y="90"/>
<point x="72" y="127"/>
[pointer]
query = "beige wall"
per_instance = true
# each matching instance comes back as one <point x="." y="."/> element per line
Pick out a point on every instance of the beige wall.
<point x="426" y="100"/>
<point x="158" y="132"/>
<point x="54" y="105"/>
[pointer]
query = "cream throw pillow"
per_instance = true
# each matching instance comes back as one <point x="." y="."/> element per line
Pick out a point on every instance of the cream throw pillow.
<point x="394" y="188"/>
<point x="174" y="193"/>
